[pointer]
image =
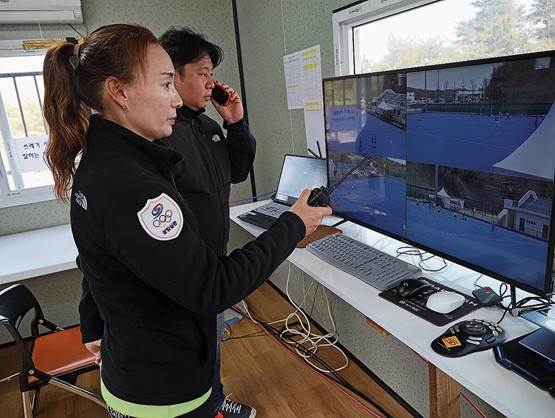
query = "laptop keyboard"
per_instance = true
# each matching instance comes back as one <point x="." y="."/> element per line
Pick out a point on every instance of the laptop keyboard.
<point x="272" y="209"/>
<point x="380" y="270"/>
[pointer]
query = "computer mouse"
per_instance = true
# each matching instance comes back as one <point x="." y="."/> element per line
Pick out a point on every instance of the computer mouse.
<point x="444" y="302"/>
<point x="411" y="287"/>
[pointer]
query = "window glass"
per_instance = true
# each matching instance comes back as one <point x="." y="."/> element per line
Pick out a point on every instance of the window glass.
<point x="23" y="132"/>
<point x="385" y="36"/>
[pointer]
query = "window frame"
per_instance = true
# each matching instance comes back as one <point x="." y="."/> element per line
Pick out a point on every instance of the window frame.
<point x="533" y="30"/>
<point x="15" y="197"/>
<point x="345" y="19"/>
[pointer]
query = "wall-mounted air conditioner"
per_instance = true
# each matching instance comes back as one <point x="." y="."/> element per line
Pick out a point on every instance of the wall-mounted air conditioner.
<point x="40" y="11"/>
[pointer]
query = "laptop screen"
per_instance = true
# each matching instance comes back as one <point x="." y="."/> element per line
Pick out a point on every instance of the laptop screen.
<point x="298" y="173"/>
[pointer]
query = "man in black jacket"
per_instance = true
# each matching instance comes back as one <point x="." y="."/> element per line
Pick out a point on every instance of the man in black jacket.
<point x="212" y="161"/>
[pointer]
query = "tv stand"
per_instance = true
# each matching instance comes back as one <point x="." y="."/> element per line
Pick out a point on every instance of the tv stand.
<point x="513" y="296"/>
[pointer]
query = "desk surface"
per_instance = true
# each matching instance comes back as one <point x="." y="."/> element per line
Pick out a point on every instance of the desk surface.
<point x="35" y="253"/>
<point x="479" y="372"/>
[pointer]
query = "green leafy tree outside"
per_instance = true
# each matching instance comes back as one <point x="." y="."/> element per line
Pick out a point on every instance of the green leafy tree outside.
<point x="498" y="28"/>
<point x="33" y="120"/>
<point x="543" y="19"/>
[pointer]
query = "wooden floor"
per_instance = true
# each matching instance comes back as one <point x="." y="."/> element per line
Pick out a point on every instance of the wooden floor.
<point x="256" y="370"/>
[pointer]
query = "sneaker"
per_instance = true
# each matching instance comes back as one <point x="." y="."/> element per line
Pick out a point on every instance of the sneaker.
<point x="229" y="409"/>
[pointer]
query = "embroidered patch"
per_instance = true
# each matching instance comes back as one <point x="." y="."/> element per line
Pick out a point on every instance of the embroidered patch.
<point x="161" y="218"/>
<point x="80" y="199"/>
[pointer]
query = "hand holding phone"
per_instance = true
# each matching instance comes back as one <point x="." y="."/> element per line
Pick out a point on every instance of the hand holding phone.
<point x="220" y="95"/>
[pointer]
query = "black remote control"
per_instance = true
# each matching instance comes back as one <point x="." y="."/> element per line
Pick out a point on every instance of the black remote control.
<point x="321" y="196"/>
<point x="467" y="337"/>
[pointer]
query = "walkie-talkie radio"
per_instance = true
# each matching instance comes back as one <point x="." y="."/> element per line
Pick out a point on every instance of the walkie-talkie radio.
<point x="321" y="195"/>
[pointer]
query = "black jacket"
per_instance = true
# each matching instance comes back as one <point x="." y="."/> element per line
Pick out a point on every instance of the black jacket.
<point x="155" y="283"/>
<point x="211" y="164"/>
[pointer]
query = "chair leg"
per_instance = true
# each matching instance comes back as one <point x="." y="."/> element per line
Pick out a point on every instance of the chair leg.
<point x="27" y="404"/>
<point x="78" y="391"/>
<point x="8" y="378"/>
<point x="36" y="401"/>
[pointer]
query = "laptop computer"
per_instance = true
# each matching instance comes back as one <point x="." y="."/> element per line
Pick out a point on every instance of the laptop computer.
<point x="297" y="173"/>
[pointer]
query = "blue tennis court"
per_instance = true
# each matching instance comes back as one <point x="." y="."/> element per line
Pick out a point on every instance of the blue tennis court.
<point x="494" y="248"/>
<point x="448" y="139"/>
<point x="380" y="202"/>
<point x="377" y="201"/>
<point x="456" y="139"/>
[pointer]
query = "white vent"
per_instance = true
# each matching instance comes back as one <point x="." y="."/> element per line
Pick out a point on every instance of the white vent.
<point x="40" y="11"/>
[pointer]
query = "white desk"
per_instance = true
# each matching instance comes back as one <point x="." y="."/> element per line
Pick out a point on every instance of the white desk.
<point x="35" y="253"/>
<point x="479" y="372"/>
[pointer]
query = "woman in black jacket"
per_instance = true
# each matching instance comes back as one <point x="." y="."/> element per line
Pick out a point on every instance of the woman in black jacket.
<point x="152" y="288"/>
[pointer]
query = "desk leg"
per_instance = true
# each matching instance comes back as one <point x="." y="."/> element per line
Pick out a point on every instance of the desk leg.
<point x="444" y="391"/>
<point x="444" y="394"/>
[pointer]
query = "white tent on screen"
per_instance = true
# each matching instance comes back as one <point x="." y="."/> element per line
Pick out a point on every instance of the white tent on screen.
<point x="384" y="106"/>
<point x="535" y="157"/>
<point x="443" y="194"/>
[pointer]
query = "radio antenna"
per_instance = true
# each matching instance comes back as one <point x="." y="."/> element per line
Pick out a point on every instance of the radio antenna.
<point x="320" y="196"/>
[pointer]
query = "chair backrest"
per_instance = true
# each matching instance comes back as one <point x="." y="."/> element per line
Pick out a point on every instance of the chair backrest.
<point x="59" y="355"/>
<point x="15" y="302"/>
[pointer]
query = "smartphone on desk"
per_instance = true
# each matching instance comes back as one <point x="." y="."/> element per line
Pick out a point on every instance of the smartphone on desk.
<point x="220" y="95"/>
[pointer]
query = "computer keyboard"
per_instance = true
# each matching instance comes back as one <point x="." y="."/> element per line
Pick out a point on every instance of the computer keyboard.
<point x="380" y="270"/>
<point x="272" y="209"/>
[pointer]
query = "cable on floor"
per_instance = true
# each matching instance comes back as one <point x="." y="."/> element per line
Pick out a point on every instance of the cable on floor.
<point x="334" y="378"/>
<point x="304" y="354"/>
<point x="314" y="340"/>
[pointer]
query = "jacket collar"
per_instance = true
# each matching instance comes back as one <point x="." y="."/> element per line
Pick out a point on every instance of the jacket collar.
<point x="187" y="114"/>
<point x="110" y="136"/>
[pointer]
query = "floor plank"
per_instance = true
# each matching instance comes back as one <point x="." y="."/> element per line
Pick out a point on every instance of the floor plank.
<point x="256" y="370"/>
<point x="277" y="384"/>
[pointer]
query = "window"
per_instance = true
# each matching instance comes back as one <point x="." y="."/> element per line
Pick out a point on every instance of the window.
<point x="24" y="176"/>
<point x="378" y="35"/>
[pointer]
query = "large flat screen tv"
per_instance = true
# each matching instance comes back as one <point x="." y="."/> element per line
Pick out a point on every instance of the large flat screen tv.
<point x="462" y="161"/>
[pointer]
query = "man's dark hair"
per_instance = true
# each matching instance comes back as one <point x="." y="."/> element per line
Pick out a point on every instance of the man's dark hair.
<point x="185" y="46"/>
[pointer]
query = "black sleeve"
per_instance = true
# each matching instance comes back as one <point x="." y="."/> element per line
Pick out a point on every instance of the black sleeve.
<point x="91" y="323"/>
<point x="241" y="148"/>
<point x="184" y="268"/>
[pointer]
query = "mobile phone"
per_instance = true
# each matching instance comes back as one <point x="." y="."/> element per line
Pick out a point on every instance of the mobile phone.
<point x="220" y="95"/>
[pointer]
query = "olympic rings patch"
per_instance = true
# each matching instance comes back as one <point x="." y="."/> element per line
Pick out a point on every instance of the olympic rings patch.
<point x="161" y="218"/>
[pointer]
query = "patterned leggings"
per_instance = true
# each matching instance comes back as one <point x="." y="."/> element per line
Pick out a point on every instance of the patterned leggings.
<point x="115" y="414"/>
<point x="206" y="410"/>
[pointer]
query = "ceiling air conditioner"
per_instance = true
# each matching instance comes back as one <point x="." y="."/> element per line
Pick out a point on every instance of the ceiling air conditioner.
<point x="40" y="11"/>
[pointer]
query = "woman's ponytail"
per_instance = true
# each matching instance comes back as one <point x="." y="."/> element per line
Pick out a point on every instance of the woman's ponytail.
<point x="66" y="116"/>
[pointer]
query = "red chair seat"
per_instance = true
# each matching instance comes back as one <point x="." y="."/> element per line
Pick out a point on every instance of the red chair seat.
<point x="60" y="352"/>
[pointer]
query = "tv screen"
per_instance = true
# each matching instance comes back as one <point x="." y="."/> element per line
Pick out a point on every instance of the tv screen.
<point x="462" y="161"/>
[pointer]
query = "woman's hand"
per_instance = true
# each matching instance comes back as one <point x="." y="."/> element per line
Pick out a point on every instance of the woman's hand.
<point x="94" y="347"/>
<point x="311" y="216"/>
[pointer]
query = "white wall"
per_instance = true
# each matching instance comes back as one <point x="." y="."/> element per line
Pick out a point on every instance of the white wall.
<point x="59" y="293"/>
